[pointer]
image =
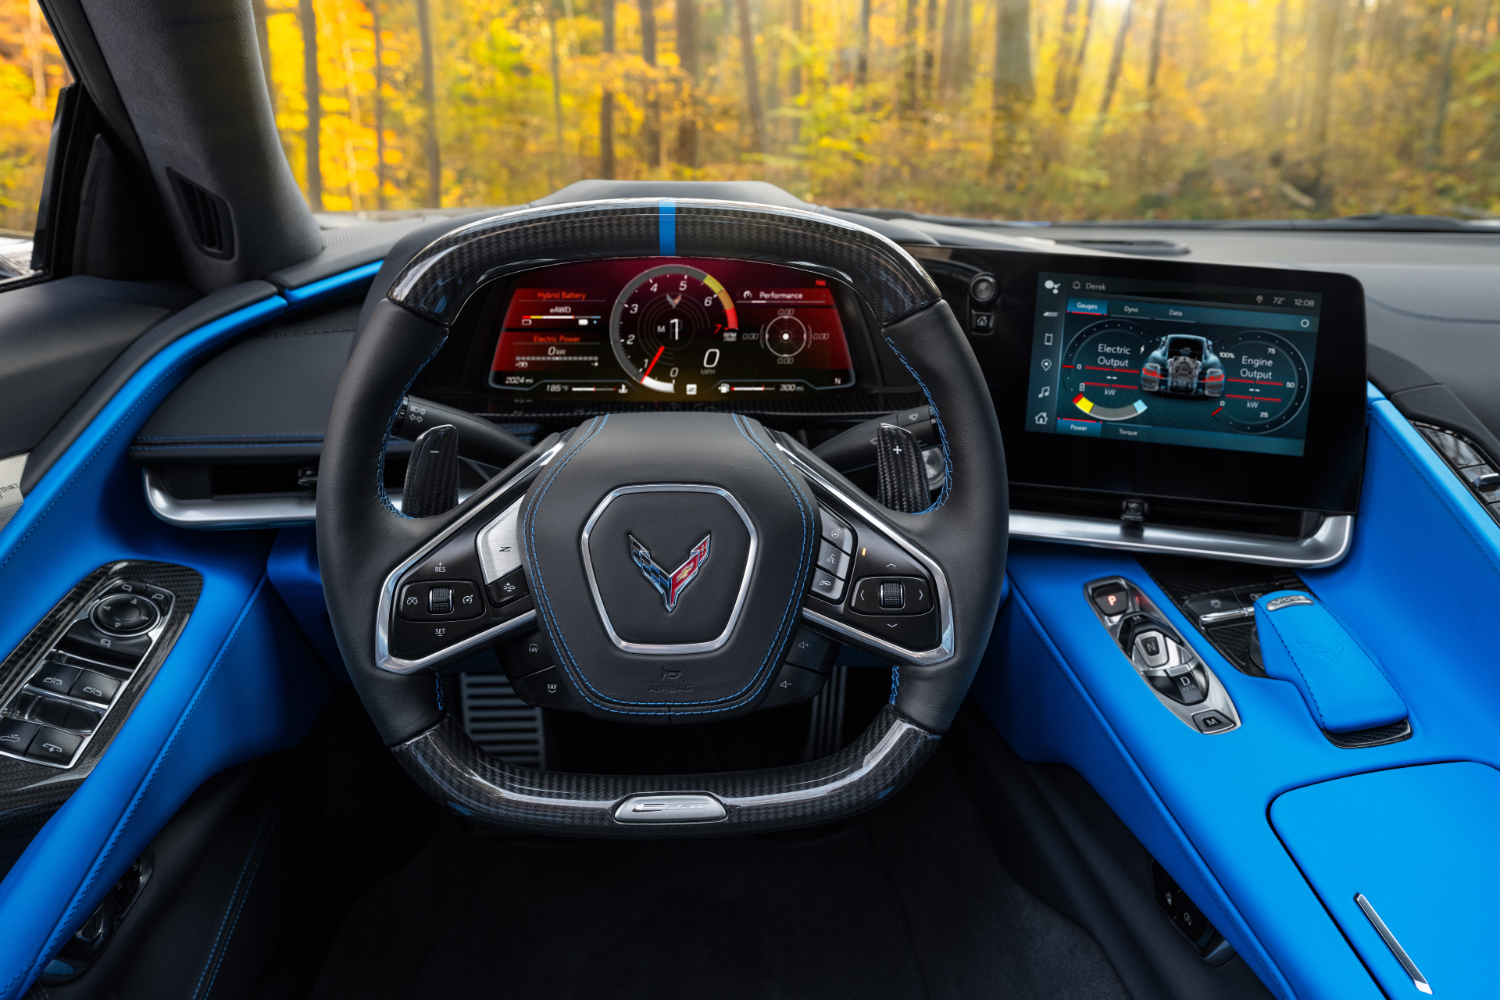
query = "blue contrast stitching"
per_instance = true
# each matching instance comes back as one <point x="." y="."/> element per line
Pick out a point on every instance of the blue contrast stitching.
<point x="257" y="854"/>
<point x="437" y="680"/>
<point x="380" y="466"/>
<point x="942" y="434"/>
<point x="1306" y="684"/>
<point x="53" y="940"/>
<point x="895" y="681"/>
<point x="666" y="227"/>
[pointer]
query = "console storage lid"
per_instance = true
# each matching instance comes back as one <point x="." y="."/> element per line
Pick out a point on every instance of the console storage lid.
<point x="1420" y="845"/>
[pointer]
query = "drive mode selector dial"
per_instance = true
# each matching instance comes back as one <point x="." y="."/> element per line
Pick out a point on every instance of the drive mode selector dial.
<point x="125" y="614"/>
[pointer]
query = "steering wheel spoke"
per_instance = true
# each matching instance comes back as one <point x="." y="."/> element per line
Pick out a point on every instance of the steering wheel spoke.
<point x="463" y="588"/>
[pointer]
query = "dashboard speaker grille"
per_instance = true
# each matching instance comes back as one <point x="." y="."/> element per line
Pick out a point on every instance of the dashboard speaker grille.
<point x="501" y="724"/>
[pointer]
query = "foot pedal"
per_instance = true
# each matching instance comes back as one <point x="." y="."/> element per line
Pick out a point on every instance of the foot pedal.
<point x="502" y="724"/>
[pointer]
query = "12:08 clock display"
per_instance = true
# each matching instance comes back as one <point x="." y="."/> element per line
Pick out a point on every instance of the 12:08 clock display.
<point x="669" y="327"/>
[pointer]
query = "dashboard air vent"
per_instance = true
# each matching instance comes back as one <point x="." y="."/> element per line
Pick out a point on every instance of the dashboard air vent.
<point x="207" y="216"/>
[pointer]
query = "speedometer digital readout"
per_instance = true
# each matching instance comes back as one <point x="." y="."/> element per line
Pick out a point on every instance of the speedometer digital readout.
<point x="667" y="327"/>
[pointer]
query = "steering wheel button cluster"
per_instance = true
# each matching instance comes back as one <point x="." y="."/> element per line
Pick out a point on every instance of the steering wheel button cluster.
<point x="891" y="595"/>
<point x="448" y="600"/>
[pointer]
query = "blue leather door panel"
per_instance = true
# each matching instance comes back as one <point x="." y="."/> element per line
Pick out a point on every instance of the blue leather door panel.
<point x="1423" y="845"/>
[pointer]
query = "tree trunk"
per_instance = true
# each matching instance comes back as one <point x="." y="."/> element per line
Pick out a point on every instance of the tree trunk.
<point x="948" y="60"/>
<point x="862" y="69"/>
<point x="313" y="92"/>
<point x="606" y="99"/>
<point x="262" y="38"/>
<point x="1013" y="85"/>
<point x="794" y="78"/>
<point x="429" y="105"/>
<point x="1324" y="45"/>
<point x="1116" y="59"/>
<point x="909" y="59"/>
<point x="651" y="133"/>
<point x="1065" y="33"/>
<point x="929" y="46"/>
<point x="963" y="62"/>
<point x="752" y="80"/>
<point x="379" y="106"/>
<point x="1075" y="66"/>
<point x="687" y="57"/>
<point x="1153" y="68"/>
<point x="1444" y="90"/>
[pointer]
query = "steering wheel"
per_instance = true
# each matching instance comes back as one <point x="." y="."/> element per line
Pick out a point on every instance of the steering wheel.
<point x="755" y="518"/>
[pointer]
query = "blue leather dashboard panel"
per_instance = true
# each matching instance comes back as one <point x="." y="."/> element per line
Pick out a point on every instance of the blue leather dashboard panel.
<point x="241" y="681"/>
<point x="1418" y="590"/>
<point x="1419" y="843"/>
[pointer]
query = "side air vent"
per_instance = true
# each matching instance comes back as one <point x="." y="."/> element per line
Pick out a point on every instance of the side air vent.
<point x="207" y="216"/>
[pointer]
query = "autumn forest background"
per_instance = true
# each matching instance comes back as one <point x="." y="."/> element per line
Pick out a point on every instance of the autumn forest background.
<point x="1018" y="109"/>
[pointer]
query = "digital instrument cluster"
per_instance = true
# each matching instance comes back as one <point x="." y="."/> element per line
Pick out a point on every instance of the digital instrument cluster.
<point x="669" y="327"/>
<point x="1130" y="360"/>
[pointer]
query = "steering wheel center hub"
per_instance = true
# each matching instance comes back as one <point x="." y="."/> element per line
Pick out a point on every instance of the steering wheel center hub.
<point x="669" y="565"/>
<point x="663" y="597"/>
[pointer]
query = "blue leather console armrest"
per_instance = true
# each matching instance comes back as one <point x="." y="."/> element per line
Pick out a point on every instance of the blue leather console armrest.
<point x="1301" y="642"/>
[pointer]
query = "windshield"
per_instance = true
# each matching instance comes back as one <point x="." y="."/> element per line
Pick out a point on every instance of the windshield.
<point x="1013" y="109"/>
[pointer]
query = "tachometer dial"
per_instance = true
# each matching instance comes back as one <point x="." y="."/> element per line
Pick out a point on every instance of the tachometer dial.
<point x="1265" y="383"/>
<point x="660" y="314"/>
<point x="1101" y="374"/>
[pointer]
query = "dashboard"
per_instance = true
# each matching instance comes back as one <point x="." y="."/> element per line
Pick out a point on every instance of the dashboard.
<point x="667" y="328"/>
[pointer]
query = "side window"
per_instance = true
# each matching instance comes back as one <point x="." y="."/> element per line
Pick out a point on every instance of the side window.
<point x="32" y="74"/>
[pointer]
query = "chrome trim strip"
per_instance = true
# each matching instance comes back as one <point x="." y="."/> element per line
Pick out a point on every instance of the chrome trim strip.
<point x="384" y="659"/>
<point x="939" y="653"/>
<point x="233" y="513"/>
<point x="681" y="648"/>
<point x="1330" y="544"/>
<point x="1417" y="979"/>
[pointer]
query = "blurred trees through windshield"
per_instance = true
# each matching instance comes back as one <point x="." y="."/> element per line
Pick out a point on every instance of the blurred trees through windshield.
<point x="1019" y="109"/>
<point x="1016" y="109"/>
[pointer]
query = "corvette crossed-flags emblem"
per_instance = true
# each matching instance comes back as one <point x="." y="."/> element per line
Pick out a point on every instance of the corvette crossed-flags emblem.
<point x="669" y="585"/>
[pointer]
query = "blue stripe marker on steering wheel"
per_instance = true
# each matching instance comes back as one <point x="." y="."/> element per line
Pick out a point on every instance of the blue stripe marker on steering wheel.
<point x="666" y="230"/>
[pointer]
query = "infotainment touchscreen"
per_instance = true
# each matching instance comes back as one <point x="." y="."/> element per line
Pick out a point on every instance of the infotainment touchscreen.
<point x="1130" y="359"/>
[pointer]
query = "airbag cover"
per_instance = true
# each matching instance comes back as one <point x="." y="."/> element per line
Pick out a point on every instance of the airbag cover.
<point x="669" y="483"/>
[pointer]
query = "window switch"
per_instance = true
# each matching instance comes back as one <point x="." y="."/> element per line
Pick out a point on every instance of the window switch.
<point x="54" y="746"/>
<point x="55" y="677"/>
<point x="95" y="687"/>
<point x="16" y="735"/>
<point x="50" y="712"/>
